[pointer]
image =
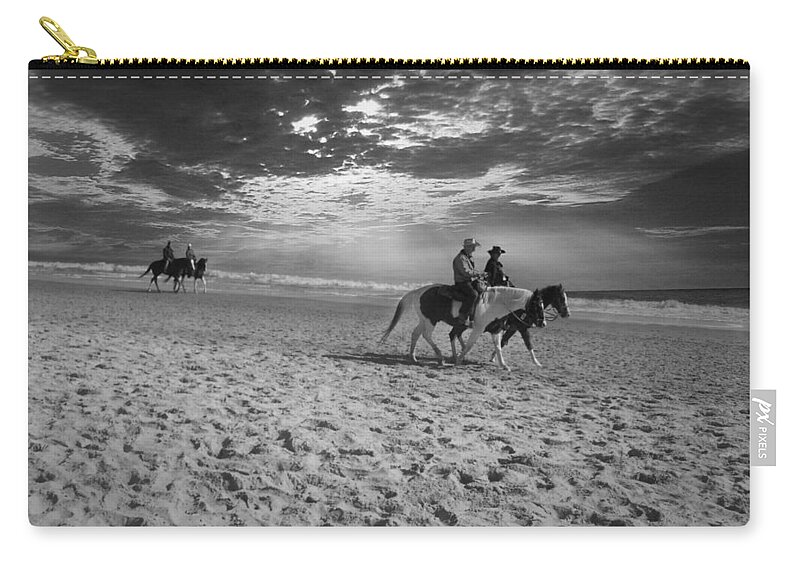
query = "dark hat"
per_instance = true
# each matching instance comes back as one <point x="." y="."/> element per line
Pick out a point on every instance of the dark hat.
<point x="497" y="249"/>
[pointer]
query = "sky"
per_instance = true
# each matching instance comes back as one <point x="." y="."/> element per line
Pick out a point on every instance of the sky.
<point x="597" y="183"/>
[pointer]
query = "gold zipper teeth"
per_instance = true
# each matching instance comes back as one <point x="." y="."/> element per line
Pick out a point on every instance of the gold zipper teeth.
<point x="453" y="63"/>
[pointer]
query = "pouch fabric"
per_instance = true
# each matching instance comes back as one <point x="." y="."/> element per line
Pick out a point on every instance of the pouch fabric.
<point x="321" y="204"/>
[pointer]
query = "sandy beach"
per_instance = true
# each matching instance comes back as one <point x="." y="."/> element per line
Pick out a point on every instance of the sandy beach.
<point x="242" y="409"/>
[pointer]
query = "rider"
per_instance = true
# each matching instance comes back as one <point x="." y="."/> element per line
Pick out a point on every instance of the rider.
<point x="191" y="256"/>
<point x="168" y="255"/>
<point x="465" y="275"/>
<point x="494" y="269"/>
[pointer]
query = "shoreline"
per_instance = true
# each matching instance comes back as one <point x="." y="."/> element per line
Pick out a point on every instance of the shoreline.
<point x="373" y="300"/>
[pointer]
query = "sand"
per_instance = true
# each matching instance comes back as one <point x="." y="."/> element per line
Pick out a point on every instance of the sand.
<point x="235" y="409"/>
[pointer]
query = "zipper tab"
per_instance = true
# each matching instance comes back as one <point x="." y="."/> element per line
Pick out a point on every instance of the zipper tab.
<point x="72" y="52"/>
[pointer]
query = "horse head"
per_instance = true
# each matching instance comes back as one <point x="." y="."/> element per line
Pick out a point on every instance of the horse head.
<point x="561" y="304"/>
<point x="535" y="308"/>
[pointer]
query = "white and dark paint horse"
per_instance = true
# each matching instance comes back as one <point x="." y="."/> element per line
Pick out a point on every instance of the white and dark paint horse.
<point x="432" y="304"/>
<point x="556" y="304"/>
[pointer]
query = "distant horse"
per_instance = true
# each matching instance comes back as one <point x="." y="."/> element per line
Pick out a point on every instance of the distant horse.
<point x="554" y="297"/>
<point x="181" y="268"/>
<point x="433" y="303"/>
<point x="157" y="267"/>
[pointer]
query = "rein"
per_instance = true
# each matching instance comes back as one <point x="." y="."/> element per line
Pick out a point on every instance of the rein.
<point x="524" y="322"/>
<point x="551" y="313"/>
<point x="526" y="312"/>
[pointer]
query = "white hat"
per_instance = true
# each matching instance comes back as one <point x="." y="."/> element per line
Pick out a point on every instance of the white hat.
<point x="471" y="241"/>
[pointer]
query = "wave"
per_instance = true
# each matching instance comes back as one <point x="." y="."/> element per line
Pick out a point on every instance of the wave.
<point x="77" y="269"/>
<point x="666" y="309"/>
<point x="280" y="280"/>
<point x="268" y="280"/>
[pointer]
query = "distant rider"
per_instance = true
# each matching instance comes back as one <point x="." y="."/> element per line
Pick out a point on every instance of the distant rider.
<point x="494" y="269"/>
<point x="191" y="256"/>
<point x="465" y="275"/>
<point x="168" y="254"/>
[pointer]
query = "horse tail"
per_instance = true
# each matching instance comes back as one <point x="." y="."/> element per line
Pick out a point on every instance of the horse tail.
<point x="147" y="271"/>
<point x="401" y="308"/>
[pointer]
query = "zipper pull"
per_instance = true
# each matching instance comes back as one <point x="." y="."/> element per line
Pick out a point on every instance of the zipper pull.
<point x="72" y="52"/>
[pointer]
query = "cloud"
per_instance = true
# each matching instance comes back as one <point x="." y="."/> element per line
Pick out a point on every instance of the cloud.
<point x="306" y="126"/>
<point x="180" y="181"/>
<point x="254" y="165"/>
<point x="687" y="232"/>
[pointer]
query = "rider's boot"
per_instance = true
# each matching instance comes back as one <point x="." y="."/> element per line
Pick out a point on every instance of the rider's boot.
<point x="465" y="315"/>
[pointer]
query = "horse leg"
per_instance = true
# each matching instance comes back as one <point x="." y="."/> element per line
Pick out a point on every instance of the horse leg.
<point x="455" y="333"/>
<point x="204" y="284"/>
<point x="427" y="333"/>
<point x="195" y="285"/>
<point x="508" y="334"/>
<point x="414" y="338"/>
<point x="526" y="337"/>
<point x="461" y="340"/>
<point x="494" y="351"/>
<point x="499" y="350"/>
<point x="155" y="280"/>
<point x="473" y="338"/>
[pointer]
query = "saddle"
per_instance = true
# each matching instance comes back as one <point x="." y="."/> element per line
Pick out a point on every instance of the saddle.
<point x="450" y="292"/>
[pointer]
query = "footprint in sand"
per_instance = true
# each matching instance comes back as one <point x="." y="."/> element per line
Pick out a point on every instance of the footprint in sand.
<point x="44" y="477"/>
<point x="448" y="518"/>
<point x="230" y="482"/>
<point x="650" y="513"/>
<point x="136" y="481"/>
<point x="465" y="478"/>
<point x="226" y="450"/>
<point x="495" y="475"/>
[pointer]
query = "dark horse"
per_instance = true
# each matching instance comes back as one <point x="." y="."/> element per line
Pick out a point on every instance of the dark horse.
<point x="178" y="269"/>
<point x="183" y="269"/>
<point x="554" y="297"/>
<point x="435" y="303"/>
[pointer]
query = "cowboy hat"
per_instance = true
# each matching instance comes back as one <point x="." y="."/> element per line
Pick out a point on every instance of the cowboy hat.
<point x="471" y="241"/>
<point x="497" y="249"/>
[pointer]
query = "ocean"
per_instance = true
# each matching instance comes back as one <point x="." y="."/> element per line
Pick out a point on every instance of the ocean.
<point x="719" y="297"/>
<point x="718" y="308"/>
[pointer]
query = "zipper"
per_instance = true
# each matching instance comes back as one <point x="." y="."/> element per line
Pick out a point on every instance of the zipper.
<point x="72" y="52"/>
<point x="75" y="56"/>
